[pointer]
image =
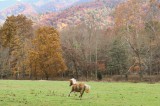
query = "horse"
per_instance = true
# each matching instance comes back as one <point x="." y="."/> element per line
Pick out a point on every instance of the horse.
<point x="78" y="87"/>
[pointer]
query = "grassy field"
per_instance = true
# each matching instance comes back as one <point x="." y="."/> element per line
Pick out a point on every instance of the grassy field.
<point x="54" y="93"/>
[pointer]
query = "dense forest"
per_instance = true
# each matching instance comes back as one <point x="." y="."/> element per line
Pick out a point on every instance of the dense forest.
<point x="85" y="51"/>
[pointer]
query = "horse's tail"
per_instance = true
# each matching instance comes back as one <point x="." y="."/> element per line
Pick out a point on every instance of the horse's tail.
<point x="87" y="88"/>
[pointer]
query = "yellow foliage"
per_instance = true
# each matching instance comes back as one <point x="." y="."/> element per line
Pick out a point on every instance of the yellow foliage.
<point x="47" y="53"/>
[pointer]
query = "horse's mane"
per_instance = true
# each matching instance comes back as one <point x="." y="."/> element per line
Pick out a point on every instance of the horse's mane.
<point x="73" y="81"/>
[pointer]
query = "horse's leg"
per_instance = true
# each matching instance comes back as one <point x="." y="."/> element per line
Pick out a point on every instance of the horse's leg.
<point x="82" y="91"/>
<point x="70" y="93"/>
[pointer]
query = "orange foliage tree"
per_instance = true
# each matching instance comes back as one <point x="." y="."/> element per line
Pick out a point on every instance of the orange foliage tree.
<point x="14" y="33"/>
<point x="46" y="55"/>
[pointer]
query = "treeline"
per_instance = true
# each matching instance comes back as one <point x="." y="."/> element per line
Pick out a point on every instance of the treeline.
<point x="88" y="50"/>
<point x="130" y="46"/>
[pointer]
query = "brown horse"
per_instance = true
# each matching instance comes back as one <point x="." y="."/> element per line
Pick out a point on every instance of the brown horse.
<point x="78" y="87"/>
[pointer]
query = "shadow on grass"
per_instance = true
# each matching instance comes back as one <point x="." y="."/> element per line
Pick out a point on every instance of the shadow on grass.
<point x="84" y="98"/>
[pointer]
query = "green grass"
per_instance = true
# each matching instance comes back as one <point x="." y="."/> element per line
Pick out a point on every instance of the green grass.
<point x="55" y="93"/>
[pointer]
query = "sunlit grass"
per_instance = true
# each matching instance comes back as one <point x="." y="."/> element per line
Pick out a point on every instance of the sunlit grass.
<point x="55" y="93"/>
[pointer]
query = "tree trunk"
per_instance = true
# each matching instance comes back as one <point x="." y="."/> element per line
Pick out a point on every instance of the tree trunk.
<point x="96" y="59"/>
<point x="141" y="72"/>
<point x="150" y="59"/>
<point x="30" y="72"/>
<point x="46" y="75"/>
<point x="76" y="68"/>
<point x="86" y="75"/>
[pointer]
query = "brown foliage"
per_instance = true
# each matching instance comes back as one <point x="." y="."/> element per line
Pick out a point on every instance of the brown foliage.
<point x="46" y="55"/>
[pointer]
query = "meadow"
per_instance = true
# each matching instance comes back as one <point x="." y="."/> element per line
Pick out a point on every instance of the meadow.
<point x="55" y="93"/>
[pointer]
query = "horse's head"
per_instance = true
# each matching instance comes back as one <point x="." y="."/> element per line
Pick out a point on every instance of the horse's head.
<point x="72" y="81"/>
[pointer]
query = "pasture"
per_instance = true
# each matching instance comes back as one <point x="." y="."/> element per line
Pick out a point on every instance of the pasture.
<point x="55" y="93"/>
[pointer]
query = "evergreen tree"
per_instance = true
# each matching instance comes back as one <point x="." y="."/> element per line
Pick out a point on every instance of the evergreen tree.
<point x="118" y="58"/>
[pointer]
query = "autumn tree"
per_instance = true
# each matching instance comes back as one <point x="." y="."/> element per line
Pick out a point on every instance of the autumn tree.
<point x="25" y="34"/>
<point x="8" y="39"/>
<point x="152" y="32"/>
<point x="152" y="26"/>
<point x="47" y="53"/>
<point x="33" y="70"/>
<point x="14" y="33"/>
<point x="83" y="49"/>
<point x="129" y="18"/>
<point x="3" y="61"/>
<point x="75" y="47"/>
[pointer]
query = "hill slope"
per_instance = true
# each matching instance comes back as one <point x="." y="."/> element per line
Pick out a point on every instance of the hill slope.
<point x="30" y="7"/>
<point x="62" y="13"/>
<point x="98" y="11"/>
